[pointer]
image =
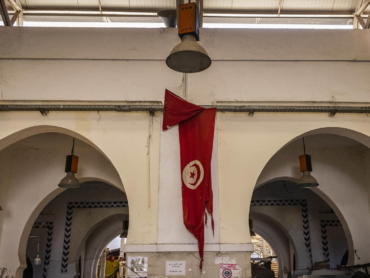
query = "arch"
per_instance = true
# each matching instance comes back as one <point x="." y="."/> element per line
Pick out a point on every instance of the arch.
<point x="36" y="212"/>
<point x="333" y="206"/>
<point x="282" y="178"/>
<point x="265" y="177"/>
<point x="113" y="179"/>
<point x="98" y="238"/>
<point x="263" y="222"/>
<point x="345" y="132"/>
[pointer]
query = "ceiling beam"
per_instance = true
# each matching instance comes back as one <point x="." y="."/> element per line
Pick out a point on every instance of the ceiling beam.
<point x="16" y="6"/>
<point x="362" y="8"/>
<point x="4" y="14"/>
<point x="14" y="17"/>
<point x="367" y="26"/>
<point x="358" y="16"/>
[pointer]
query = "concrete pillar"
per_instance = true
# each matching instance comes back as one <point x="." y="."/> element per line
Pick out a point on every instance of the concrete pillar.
<point x="175" y="242"/>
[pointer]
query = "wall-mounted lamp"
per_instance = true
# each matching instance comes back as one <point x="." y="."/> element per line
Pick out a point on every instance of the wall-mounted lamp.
<point x="188" y="56"/>
<point x="70" y="180"/>
<point x="37" y="260"/>
<point x="306" y="168"/>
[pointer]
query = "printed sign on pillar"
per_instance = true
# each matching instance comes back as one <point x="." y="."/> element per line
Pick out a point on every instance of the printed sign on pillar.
<point x="196" y="132"/>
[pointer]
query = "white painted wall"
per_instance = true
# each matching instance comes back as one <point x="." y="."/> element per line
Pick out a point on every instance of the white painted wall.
<point x="128" y="64"/>
<point x="303" y="66"/>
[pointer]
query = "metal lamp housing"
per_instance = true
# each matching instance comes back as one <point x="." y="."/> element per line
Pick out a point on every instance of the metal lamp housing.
<point x="188" y="56"/>
<point x="169" y="18"/>
<point x="69" y="181"/>
<point x="307" y="180"/>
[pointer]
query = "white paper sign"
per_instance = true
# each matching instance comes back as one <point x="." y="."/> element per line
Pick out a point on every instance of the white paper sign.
<point x="175" y="268"/>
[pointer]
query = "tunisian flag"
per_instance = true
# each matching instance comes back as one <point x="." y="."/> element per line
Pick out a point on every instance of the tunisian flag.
<point x="196" y="129"/>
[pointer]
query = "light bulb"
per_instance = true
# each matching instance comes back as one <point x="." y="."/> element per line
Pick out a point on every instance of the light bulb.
<point x="37" y="260"/>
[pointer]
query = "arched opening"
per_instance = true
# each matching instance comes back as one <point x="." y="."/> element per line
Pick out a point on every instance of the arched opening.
<point x="105" y="234"/>
<point x="277" y="238"/>
<point x="73" y="224"/>
<point x="340" y="159"/>
<point x="264" y="258"/>
<point x="33" y="167"/>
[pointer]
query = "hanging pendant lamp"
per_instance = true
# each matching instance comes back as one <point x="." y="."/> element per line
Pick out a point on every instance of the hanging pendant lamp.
<point x="70" y="181"/>
<point x="306" y="168"/>
<point x="37" y="260"/>
<point x="188" y="56"/>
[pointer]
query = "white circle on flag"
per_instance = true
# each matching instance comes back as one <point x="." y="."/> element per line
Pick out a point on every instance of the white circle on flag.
<point x="193" y="174"/>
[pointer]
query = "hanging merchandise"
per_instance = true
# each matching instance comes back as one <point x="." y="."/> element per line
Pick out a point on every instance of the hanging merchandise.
<point x="196" y="130"/>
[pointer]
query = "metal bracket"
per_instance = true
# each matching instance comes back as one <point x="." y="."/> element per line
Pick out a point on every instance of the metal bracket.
<point x="43" y="111"/>
<point x="332" y="113"/>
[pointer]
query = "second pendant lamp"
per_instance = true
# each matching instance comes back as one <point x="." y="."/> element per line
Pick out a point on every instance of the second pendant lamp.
<point x="306" y="168"/>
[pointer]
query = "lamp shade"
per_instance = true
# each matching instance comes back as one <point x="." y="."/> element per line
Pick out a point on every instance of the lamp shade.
<point x="69" y="181"/>
<point x="37" y="260"/>
<point x="188" y="56"/>
<point x="307" y="180"/>
<point x="169" y="18"/>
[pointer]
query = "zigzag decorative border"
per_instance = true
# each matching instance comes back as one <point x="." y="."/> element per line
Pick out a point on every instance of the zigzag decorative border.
<point x="68" y="226"/>
<point x="303" y="204"/>
<point x="49" y="240"/>
<point x="324" y="236"/>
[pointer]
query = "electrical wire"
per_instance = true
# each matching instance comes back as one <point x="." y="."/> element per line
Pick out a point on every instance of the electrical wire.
<point x="286" y="188"/>
<point x="73" y="146"/>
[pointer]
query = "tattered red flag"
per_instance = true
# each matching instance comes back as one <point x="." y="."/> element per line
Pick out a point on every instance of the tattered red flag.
<point x="196" y="130"/>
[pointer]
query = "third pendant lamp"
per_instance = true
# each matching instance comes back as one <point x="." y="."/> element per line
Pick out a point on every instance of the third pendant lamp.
<point x="306" y="168"/>
<point x="188" y="56"/>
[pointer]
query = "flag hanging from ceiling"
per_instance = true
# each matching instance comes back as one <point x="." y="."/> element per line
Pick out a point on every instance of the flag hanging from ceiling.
<point x="196" y="132"/>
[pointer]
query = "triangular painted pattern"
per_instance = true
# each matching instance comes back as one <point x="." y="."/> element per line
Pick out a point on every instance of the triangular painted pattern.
<point x="68" y="225"/>
<point x="324" y="236"/>
<point x="49" y="240"/>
